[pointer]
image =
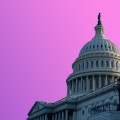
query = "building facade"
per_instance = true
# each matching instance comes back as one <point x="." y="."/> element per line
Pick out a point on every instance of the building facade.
<point x="92" y="88"/>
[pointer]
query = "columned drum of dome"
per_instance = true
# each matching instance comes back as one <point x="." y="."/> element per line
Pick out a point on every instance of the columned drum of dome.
<point x="97" y="65"/>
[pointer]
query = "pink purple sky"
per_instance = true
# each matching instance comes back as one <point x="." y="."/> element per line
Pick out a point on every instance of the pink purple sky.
<point x="39" y="41"/>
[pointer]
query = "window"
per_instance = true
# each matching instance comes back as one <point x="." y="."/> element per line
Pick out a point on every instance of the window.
<point x="83" y="112"/>
<point x="91" y="64"/>
<point x="105" y="46"/>
<point x="87" y="65"/>
<point x="96" y="63"/>
<point x="79" y="66"/>
<point x="107" y="64"/>
<point x="102" y="64"/>
<point x="109" y="48"/>
<point x="76" y="68"/>
<point x="82" y="65"/>
<point x="90" y="47"/>
<point x="113" y="49"/>
<point x="117" y="65"/>
<point x="70" y="85"/>
<point x="112" y="64"/>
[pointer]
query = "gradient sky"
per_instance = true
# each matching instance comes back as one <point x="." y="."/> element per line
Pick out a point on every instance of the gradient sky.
<point x="39" y="41"/>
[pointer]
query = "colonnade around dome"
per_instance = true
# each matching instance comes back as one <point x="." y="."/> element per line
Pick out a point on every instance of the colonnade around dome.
<point x="89" y="83"/>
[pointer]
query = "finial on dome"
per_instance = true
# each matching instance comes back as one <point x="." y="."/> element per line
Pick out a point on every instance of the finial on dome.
<point x="99" y="20"/>
<point x="99" y="29"/>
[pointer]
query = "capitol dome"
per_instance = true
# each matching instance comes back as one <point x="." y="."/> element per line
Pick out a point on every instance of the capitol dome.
<point x="97" y="65"/>
<point x="99" y="44"/>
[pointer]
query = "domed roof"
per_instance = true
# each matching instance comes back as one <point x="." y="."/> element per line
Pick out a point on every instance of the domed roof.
<point x="99" y="43"/>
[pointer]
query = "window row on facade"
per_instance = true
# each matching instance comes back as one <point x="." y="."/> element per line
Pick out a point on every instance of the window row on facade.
<point x="97" y="64"/>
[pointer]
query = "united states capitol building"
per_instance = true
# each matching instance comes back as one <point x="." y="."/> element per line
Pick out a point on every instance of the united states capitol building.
<point x="93" y="88"/>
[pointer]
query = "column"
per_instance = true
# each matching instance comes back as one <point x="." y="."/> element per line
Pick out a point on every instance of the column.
<point x="87" y="82"/>
<point x="76" y="85"/>
<point x="93" y="82"/>
<point x="113" y="78"/>
<point x="66" y="115"/>
<point x="83" y="83"/>
<point x="68" y="88"/>
<point x="40" y="118"/>
<point x="100" y="81"/>
<point x="72" y="86"/>
<point x="56" y="116"/>
<point x="53" y="117"/>
<point x="81" y="88"/>
<point x="109" y="64"/>
<point x="45" y="116"/>
<point x="59" y="116"/>
<point x="79" y="85"/>
<point x="106" y="83"/>
<point x="74" y="116"/>
<point x="62" y="115"/>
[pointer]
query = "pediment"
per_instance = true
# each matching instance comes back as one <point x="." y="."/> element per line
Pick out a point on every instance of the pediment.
<point x="37" y="106"/>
